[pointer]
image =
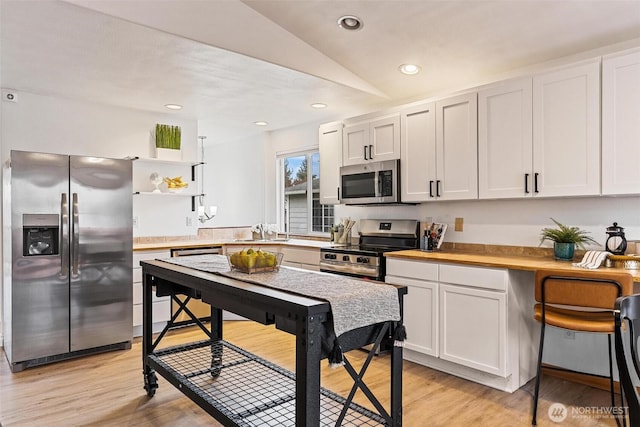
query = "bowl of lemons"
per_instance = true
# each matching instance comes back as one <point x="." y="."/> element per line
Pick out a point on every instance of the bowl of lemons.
<point x="254" y="261"/>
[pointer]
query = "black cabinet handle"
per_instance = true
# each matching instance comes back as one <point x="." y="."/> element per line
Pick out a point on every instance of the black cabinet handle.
<point x="526" y="183"/>
<point x="438" y="188"/>
<point x="338" y="191"/>
<point x="365" y="152"/>
<point x="535" y="182"/>
<point x="371" y="152"/>
<point x="430" y="188"/>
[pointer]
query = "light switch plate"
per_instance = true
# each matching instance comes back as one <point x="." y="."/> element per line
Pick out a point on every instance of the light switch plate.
<point x="459" y="224"/>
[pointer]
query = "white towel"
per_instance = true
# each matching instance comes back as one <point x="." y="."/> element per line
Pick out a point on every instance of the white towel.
<point x="592" y="259"/>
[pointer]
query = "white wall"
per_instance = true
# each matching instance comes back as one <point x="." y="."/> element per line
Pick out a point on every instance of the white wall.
<point x="514" y="222"/>
<point x="234" y="181"/>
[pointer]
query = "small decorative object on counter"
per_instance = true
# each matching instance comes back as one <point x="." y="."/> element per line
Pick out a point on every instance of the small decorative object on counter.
<point x="565" y="239"/>
<point x="434" y="236"/>
<point x="341" y="233"/>
<point x="616" y="241"/>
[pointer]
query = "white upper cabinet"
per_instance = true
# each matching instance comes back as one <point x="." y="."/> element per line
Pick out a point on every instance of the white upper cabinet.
<point x="440" y="150"/>
<point x="566" y="131"/>
<point x="505" y="138"/>
<point x="330" y="147"/>
<point x="621" y="124"/>
<point x="375" y="140"/>
<point x="418" y="160"/>
<point x="457" y="148"/>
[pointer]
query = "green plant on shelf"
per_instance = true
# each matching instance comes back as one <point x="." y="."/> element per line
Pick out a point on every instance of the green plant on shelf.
<point x="168" y="136"/>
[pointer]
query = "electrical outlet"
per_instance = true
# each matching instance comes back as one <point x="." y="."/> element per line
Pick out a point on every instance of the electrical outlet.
<point x="570" y="335"/>
<point x="135" y="222"/>
<point x="189" y="221"/>
<point x="459" y="224"/>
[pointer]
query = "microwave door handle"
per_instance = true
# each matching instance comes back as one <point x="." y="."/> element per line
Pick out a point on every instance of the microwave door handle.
<point x="378" y="184"/>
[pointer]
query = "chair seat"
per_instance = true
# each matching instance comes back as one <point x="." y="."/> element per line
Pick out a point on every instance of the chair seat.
<point x="584" y="321"/>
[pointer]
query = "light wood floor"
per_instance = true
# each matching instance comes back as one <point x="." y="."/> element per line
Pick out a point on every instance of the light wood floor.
<point x="106" y="390"/>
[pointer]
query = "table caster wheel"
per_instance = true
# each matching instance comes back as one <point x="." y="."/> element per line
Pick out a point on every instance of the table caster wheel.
<point x="150" y="384"/>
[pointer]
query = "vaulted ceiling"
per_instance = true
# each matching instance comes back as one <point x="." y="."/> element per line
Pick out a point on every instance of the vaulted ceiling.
<point x="231" y="63"/>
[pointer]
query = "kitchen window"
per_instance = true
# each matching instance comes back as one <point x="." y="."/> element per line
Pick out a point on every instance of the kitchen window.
<point x="300" y="211"/>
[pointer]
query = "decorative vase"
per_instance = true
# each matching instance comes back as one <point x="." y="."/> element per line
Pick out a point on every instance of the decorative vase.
<point x="168" y="154"/>
<point x="563" y="251"/>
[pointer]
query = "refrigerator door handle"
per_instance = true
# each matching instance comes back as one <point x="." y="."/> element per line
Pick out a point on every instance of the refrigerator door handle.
<point x="75" y="235"/>
<point x="64" y="242"/>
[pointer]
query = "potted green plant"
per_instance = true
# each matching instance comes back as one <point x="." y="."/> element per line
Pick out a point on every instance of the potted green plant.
<point x="168" y="141"/>
<point x="565" y="239"/>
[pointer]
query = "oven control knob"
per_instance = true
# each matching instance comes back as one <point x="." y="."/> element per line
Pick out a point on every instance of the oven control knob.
<point x="345" y="257"/>
<point x="363" y="260"/>
<point x="329" y="256"/>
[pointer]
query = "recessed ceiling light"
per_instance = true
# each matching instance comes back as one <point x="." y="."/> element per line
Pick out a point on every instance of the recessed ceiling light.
<point x="409" y="69"/>
<point x="173" y="106"/>
<point x="350" y="22"/>
<point x="260" y="123"/>
<point x="318" y="105"/>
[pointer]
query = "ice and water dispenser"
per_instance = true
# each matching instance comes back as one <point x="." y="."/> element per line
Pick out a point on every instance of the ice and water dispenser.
<point x="40" y="234"/>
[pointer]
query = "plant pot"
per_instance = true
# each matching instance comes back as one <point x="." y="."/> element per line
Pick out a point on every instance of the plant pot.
<point x="168" y="154"/>
<point x="564" y="251"/>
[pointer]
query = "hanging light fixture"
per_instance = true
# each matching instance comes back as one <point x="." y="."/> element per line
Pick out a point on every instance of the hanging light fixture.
<point x="208" y="213"/>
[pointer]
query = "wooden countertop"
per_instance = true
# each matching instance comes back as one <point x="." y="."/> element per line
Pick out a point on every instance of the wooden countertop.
<point x="181" y="244"/>
<point x="511" y="262"/>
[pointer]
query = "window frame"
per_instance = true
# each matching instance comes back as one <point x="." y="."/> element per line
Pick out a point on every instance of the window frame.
<point x="308" y="153"/>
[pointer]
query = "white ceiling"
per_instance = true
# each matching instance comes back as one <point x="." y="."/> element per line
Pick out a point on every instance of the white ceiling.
<point x="232" y="62"/>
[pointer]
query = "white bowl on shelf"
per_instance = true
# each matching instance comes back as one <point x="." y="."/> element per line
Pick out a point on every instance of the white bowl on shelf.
<point x="176" y="189"/>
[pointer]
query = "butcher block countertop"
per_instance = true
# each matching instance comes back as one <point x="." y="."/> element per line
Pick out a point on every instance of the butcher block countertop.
<point x="530" y="263"/>
<point x="199" y="243"/>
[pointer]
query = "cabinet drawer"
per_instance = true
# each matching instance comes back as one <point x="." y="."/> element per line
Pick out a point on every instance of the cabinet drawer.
<point x="478" y="277"/>
<point x="412" y="269"/>
<point x="147" y="255"/>
<point x="161" y="312"/>
<point x="301" y="256"/>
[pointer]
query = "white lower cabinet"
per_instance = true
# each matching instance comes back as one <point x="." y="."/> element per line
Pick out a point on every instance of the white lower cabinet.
<point x="474" y="328"/>
<point x="473" y="322"/>
<point x="161" y="308"/>
<point x="307" y="258"/>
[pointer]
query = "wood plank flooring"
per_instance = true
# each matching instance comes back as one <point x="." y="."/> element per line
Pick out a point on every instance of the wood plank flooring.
<point x="106" y="390"/>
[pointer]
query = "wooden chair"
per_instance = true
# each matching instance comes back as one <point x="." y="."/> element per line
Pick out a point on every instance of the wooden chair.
<point x="580" y="300"/>
<point x="627" y="317"/>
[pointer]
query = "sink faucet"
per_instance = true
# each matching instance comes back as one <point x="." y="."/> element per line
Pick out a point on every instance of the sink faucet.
<point x="261" y="228"/>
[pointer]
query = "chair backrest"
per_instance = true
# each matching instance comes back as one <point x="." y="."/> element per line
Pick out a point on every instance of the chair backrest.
<point x="627" y="317"/>
<point x="578" y="288"/>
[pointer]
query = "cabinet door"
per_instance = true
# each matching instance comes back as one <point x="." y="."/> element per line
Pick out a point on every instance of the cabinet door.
<point x="330" y="147"/>
<point x="621" y="124"/>
<point x="384" y="137"/>
<point x="505" y="138"/>
<point x="420" y="314"/>
<point x="473" y="328"/>
<point x="418" y="159"/>
<point x="355" y="139"/>
<point x="566" y="131"/>
<point x="457" y="147"/>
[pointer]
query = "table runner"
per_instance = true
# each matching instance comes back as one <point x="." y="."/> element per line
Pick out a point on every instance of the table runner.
<point x="354" y="303"/>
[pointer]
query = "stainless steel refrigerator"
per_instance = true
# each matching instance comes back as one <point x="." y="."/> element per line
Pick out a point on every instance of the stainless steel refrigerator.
<point x="68" y="262"/>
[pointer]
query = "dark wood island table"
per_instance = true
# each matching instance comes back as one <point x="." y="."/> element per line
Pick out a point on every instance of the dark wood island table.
<point x="241" y="389"/>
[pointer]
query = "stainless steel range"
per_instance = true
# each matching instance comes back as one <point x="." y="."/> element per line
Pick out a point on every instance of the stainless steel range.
<point x="366" y="260"/>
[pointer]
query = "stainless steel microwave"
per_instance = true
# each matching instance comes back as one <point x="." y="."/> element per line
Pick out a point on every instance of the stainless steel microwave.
<point x="370" y="183"/>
